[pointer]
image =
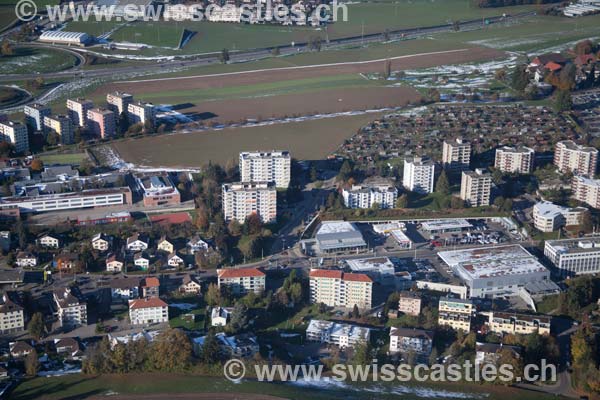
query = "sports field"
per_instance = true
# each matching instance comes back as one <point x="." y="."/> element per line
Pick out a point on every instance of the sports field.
<point x="308" y="140"/>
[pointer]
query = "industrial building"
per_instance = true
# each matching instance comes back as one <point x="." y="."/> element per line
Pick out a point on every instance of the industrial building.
<point x="380" y="269"/>
<point x="64" y="37"/>
<point x="574" y="256"/>
<point x="495" y="271"/>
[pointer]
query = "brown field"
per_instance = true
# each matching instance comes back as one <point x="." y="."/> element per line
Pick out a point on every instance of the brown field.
<point x="301" y="72"/>
<point x="308" y="140"/>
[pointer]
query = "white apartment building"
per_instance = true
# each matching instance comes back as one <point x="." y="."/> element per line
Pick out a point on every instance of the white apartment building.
<point x="409" y="303"/>
<point x="149" y="310"/>
<point x="365" y="196"/>
<point x="335" y="288"/>
<point x="341" y="335"/>
<point x="574" y="256"/>
<point x="456" y="155"/>
<point x="78" y="111"/>
<point x="578" y="159"/>
<point x="71" y="308"/>
<point x="273" y="166"/>
<point x="418" y="175"/>
<point x="476" y="187"/>
<point x="519" y="160"/>
<point x="34" y="115"/>
<point x="242" y="280"/>
<point x="140" y="112"/>
<point x="245" y="198"/>
<point x="586" y="190"/>
<point x="522" y="324"/>
<point x="411" y="340"/>
<point x="549" y="217"/>
<point x="62" y="125"/>
<point x="119" y="102"/>
<point x="455" y="313"/>
<point x="12" y="318"/>
<point x="16" y="134"/>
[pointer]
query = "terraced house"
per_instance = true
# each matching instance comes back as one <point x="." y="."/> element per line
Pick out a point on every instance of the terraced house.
<point x="502" y="322"/>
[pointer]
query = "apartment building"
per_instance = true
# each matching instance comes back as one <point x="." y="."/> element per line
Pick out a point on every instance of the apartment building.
<point x="12" y="317"/>
<point x="456" y="155"/>
<point x="574" y="256"/>
<point x="35" y="114"/>
<point x="78" y="111"/>
<point x="16" y="134"/>
<point x="455" y="313"/>
<point x="409" y="303"/>
<point x="366" y="196"/>
<point x="119" y="102"/>
<point x="515" y="160"/>
<point x="411" y="340"/>
<point x="102" y="122"/>
<point x="242" y="280"/>
<point x="578" y="159"/>
<point x="341" y="335"/>
<point x="586" y="190"/>
<point x="245" y="198"/>
<point x="419" y="174"/>
<point x="62" y="125"/>
<point x="503" y="322"/>
<point x="71" y="307"/>
<point x="476" y="187"/>
<point x="549" y="217"/>
<point x="140" y="112"/>
<point x="149" y="310"/>
<point x="273" y="166"/>
<point x="335" y="288"/>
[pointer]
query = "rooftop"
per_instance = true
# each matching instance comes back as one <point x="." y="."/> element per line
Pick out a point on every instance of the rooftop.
<point x="442" y="224"/>
<point x="148" y="302"/>
<point x="571" y="246"/>
<point x="239" y="273"/>
<point x="329" y="227"/>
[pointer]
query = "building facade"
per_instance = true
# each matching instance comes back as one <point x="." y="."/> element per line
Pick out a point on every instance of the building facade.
<point x="341" y="335"/>
<point x="78" y="111"/>
<point x="574" y="256"/>
<point x="578" y="159"/>
<point x="12" y="317"/>
<point x="273" y="166"/>
<point x="140" y="113"/>
<point x="522" y="324"/>
<point x="419" y="174"/>
<point x="35" y="114"/>
<point x="586" y="190"/>
<point x="519" y="160"/>
<point x="365" y="196"/>
<point x="335" y="288"/>
<point x="242" y="280"/>
<point x="549" y="217"/>
<point x="119" y="102"/>
<point x="409" y="303"/>
<point x="456" y="155"/>
<point x="102" y="122"/>
<point x="455" y="313"/>
<point x="16" y="134"/>
<point x="149" y="310"/>
<point x="410" y="340"/>
<point x="62" y="126"/>
<point x="476" y="187"/>
<point x="243" y="199"/>
<point x="71" y="307"/>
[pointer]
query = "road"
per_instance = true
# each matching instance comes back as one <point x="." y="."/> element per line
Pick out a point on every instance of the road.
<point x="260" y="53"/>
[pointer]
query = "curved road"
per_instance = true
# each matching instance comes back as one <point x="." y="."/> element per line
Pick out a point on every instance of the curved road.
<point x="256" y="54"/>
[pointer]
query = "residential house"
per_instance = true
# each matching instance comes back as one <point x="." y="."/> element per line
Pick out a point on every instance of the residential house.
<point x="196" y="244"/>
<point x="137" y="242"/>
<point x="141" y="261"/>
<point x="150" y="287"/>
<point x="26" y="259"/>
<point x="12" y="317"/>
<point x="173" y="260"/>
<point x="411" y="340"/>
<point x="190" y="285"/>
<point x="125" y="288"/>
<point x="339" y="289"/>
<point x="114" y="263"/>
<point x="148" y="310"/>
<point x="101" y="242"/>
<point x="455" y="313"/>
<point x="505" y="322"/>
<point x="341" y="335"/>
<point x="67" y="262"/>
<point x="409" y="303"/>
<point x="68" y="347"/>
<point x="219" y="316"/>
<point x="490" y="353"/>
<point x="239" y="346"/>
<point x="165" y="245"/>
<point x="20" y="349"/>
<point x="71" y="307"/>
<point x="49" y="241"/>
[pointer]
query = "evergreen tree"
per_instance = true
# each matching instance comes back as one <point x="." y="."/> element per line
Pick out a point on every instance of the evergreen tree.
<point x="442" y="185"/>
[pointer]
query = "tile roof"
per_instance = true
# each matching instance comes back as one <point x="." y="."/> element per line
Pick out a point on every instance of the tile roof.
<point x="148" y="302"/>
<point x="240" y="272"/>
<point x="150" y="281"/>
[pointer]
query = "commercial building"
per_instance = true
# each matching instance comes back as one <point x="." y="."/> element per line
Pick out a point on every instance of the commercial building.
<point x="118" y="102"/>
<point x="456" y="155"/>
<point x="446" y="225"/>
<point x="549" y="217"/>
<point x="149" y="310"/>
<point x="571" y="157"/>
<point x="67" y="201"/>
<point x="242" y="280"/>
<point x="411" y="341"/>
<point x="366" y="196"/>
<point x="522" y="324"/>
<point x="476" y="187"/>
<point x="158" y="190"/>
<point x="519" y="160"/>
<point x="62" y="125"/>
<point x="574" y="256"/>
<point x="409" y="303"/>
<point x="418" y="175"/>
<point x="140" y="113"/>
<point x="64" y="37"/>
<point x="34" y="115"/>
<point x="78" y="111"/>
<point x="341" y="335"/>
<point x="339" y="237"/>
<point x="273" y="166"/>
<point x="380" y="269"/>
<point x="71" y="307"/>
<point x="401" y="239"/>
<point x="335" y="288"/>
<point x="586" y="190"/>
<point x="495" y="271"/>
<point x="12" y="318"/>
<point x="245" y="198"/>
<point x="455" y="313"/>
<point x="16" y="134"/>
<point x="102" y="122"/>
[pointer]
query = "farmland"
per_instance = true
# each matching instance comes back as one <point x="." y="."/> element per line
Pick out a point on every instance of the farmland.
<point x="313" y="139"/>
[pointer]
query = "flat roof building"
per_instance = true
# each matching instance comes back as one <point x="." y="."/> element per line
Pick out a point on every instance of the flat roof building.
<point x="476" y="187"/>
<point x="586" y="190"/>
<point x="518" y="159"/>
<point x="455" y="313"/>
<point x="62" y="125"/>
<point x="523" y="324"/>
<point x="578" y="159"/>
<point x="242" y="199"/>
<point x="34" y="115"/>
<point x="64" y="37"/>
<point x="341" y="335"/>
<point x="118" y="102"/>
<point x="456" y="155"/>
<point x="16" y="134"/>
<point x="446" y="225"/>
<point x="335" y="288"/>
<point x="102" y="122"/>
<point x="366" y="196"/>
<point x="574" y="256"/>
<point x="418" y="175"/>
<point x="158" y="190"/>
<point x="78" y="111"/>
<point x="380" y="269"/>
<point x="495" y="271"/>
<point x="339" y="236"/>
<point x="549" y="217"/>
<point x="272" y="166"/>
<point x="140" y="113"/>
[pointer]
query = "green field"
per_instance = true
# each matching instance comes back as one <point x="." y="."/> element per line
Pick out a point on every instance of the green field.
<point x="82" y="386"/>
<point x="32" y="60"/>
<point x="10" y="96"/>
<point x="74" y="158"/>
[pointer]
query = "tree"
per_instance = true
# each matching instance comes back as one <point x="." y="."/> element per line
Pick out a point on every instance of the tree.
<point x="224" y="56"/>
<point x="520" y="78"/>
<point x="314" y="175"/>
<point x="239" y="318"/>
<point x="213" y="295"/>
<point x="253" y="224"/>
<point x="37" y="165"/>
<point x="36" y="326"/>
<point x="442" y="185"/>
<point x="402" y="201"/>
<point x="315" y="43"/>
<point x="457" y="203"/>
<point x="250" y="247"/>
<point x="210" y="349"/>
<point x="234" y="227"/>
<point x="387" y="69"/>
<point x="32" y="363"/>
<point x="345" y="171"/>
<point x="123" y="122"/>
<point x="275" y="52"/>
<point x="562" y="101"/>
<point x="171" y="351"/>
<point x="6" y="48"/>
<point x="355" y="312"/>
<point x="433" y="95"/>
<point x="586" y="224"/>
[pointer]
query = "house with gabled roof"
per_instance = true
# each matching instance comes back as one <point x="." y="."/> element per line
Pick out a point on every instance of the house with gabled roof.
<point x="137" y="242"/>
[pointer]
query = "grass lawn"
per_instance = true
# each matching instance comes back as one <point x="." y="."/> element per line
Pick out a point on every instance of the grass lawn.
<point x="177" y="315"/>
<point x="74" y="158"/>
<point x="31" y="60"/>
